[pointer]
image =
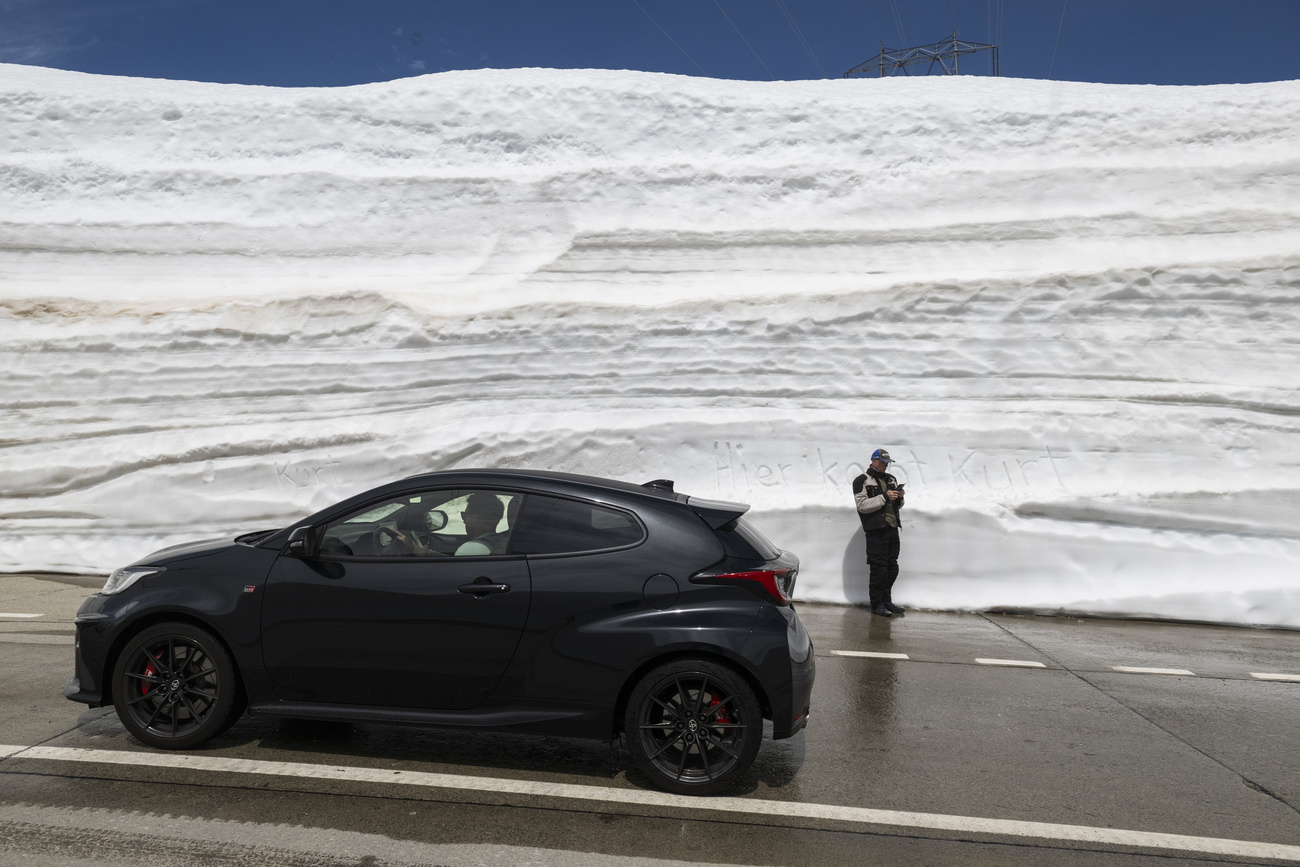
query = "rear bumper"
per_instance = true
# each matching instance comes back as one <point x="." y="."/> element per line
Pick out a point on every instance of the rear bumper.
<point x="802" y="675"/>
<point x="784" y="655"/>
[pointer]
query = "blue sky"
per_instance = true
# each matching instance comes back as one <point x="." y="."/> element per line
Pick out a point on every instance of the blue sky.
<point x="339" y="42"/>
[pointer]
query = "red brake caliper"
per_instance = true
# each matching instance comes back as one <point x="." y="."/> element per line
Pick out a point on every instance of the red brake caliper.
<point x="721" y="716"/>
<point x="150" y="671"/>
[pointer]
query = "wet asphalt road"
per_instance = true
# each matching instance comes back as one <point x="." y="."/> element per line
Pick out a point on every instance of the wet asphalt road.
<point x="1074" y="742"/>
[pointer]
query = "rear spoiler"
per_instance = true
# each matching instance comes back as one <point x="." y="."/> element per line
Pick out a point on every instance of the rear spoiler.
<point x="716" y="512"/>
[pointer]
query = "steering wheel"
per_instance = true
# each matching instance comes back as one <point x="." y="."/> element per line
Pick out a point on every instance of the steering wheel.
<point x="384" y="542"/>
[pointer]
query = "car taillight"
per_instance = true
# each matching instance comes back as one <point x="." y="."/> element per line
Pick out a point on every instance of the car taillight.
<point x="778" y="584"/>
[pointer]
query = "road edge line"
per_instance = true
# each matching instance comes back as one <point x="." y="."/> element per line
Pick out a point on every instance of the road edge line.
<point x="756" y="807"/>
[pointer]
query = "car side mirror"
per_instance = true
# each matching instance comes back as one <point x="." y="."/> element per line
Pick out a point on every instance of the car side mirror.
<point x="298" y="541"/>
<point x="435" y="520"/>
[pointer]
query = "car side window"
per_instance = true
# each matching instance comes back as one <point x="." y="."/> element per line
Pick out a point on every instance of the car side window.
<point x="549" y="525"/>
<point x="445" y="523"/>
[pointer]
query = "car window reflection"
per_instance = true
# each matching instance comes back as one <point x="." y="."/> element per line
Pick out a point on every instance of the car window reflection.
<point x="549" y="525"/>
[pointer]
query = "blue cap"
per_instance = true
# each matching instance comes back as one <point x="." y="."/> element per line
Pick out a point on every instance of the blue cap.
<point x="881" y="455"/>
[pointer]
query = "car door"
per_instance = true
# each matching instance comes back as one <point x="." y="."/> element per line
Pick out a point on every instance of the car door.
<point x="411" y="602"/>
<point x="589" y="573"/>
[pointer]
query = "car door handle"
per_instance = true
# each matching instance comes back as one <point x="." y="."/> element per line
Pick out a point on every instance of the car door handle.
<point x="483" y="587"/>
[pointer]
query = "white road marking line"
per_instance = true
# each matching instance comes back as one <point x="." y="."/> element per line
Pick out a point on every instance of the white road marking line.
<point x="216" y="841"/>
<point x="1027" y="663"/>
<point x="604" y="794"/>
<point x="1018" y="663"/>
<point x="37" y="626"/>
<point x="11" y="614"/>
<point x="1132" y="669"/>
<point x="28" y="638"/>
<point x="870" y="654"/>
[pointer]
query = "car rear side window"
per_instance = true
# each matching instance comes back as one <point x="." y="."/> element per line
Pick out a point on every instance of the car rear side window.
<point x="741" y="539"/>
<point x="549" y="525"/>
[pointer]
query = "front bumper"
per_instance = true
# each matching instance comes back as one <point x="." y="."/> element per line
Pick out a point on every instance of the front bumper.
<point x="73" y="692"/>
<point x="90" y="650"/>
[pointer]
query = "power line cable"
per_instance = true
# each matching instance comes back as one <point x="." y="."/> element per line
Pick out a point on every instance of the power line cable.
<point x="872" y="15"/>
<point x="799" y="33"/>
<point x="1059" y="28"/>
<point x="1002" y="20"/>
<point x="670" y="39"/>
<point x="898" y="21"/>
<point x="743" y="39"/>
<point x="875" y="25"/>
<point x="794" y="25"/>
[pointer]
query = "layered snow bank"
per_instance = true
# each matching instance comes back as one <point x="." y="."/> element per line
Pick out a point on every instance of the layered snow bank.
<point x="1069" y="310"/>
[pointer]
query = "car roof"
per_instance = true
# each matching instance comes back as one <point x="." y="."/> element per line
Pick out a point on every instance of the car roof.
<point x="558" y="483"/>
<point x="569" y="480"/>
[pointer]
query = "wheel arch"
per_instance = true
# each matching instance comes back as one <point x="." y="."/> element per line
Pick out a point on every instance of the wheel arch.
<point x="709" y="654"/>
<point x="135" y="627"/>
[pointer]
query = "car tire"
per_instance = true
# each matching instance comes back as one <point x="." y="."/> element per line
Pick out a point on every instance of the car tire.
<point x="175" y="686"/>
<point x="693" y="726"/>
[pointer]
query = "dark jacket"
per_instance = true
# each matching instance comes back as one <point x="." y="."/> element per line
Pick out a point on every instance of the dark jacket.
<point x="874" y="508"/>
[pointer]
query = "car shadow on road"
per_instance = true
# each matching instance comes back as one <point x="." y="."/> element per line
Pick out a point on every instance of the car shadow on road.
<point x="572" y="760"/>
<point x="427" y="746"/>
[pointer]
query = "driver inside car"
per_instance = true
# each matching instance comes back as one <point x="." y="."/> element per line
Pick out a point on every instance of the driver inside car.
<point x="481" y="516"/>
<point x="483" y="512"/>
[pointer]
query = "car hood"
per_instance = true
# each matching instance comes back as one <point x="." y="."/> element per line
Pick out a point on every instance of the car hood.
<point x="187" y="551"/>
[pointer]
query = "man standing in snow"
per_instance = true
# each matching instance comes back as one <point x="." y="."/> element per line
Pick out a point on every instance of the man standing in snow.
<point x="879" y="496"/>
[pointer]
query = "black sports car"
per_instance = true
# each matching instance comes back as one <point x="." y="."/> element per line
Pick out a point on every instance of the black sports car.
<point x="518" y="600"/>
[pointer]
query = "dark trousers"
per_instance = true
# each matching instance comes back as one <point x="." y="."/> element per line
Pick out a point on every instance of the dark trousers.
<point x="882" y="557"/>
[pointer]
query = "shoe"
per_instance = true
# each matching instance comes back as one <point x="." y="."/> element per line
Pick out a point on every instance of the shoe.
<point x="882" y="610"/>
<point x="897" y="609"/>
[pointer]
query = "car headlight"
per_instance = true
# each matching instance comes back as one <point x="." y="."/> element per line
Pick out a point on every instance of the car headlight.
<point x="128" y="575"/>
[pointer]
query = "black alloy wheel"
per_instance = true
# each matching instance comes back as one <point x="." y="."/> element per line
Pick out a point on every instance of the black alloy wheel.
<point x="174" y="686"/>
<point x="693" y="726"/>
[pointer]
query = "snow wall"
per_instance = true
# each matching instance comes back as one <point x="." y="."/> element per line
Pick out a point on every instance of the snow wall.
<point x="1069" y="310"/>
